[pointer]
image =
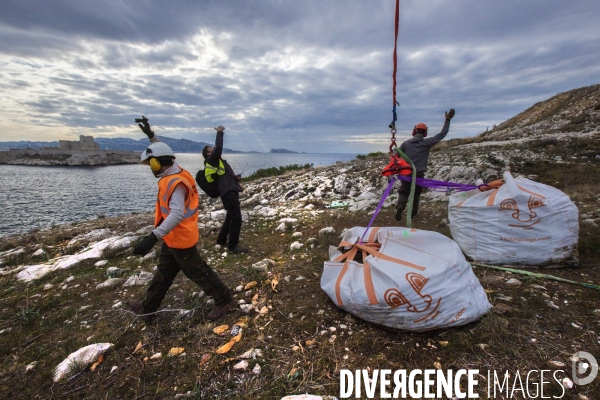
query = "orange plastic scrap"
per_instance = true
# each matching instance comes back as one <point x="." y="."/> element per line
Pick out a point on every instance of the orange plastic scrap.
<point x="205" y="358"/>
<point x="250" y="285"/>
<point x="175" y="351"/>
<point x="138" y="348"/>
<point x="98" y="362"/>
<point x="492" y="185"/>
<point x="274" y="283"/>
<point x="221" y="329"/>
<point x="225" y="348"/>
<point x="237" y="338"/>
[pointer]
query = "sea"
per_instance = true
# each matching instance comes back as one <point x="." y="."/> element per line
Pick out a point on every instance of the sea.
<point x="43" y="197"/>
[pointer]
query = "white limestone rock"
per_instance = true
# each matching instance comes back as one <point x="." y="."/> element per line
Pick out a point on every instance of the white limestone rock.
<point x="263" y="265"/>
<point x="97" y="234"/>
<point x="109" y="283"/>
<point x="40" y="253"/>
<point x="139" y="280"/>
<point x="326" y="231"/>
<point x="114" y="272"/>
<point x="218" y="215"/>
<point x="288" y="221"/>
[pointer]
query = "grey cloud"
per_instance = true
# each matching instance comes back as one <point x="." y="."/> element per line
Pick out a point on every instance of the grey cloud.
<point x="105" y="63"/>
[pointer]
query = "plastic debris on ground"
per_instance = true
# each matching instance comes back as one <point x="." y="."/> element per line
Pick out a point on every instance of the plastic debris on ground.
<point x="338" y="204"/>
<point x="175" y="351"/>
<point x="236" y="333"/>
<point x="79" y="360"/>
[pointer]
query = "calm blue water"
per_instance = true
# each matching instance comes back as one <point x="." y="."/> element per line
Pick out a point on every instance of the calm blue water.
<point x="40" y="197"/>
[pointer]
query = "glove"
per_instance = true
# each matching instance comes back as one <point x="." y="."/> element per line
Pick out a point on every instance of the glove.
<point x="145" y="245"/>
<point x="219" y="128"/>
<point x="449" y="114"/>
<point x="145" y="127"/>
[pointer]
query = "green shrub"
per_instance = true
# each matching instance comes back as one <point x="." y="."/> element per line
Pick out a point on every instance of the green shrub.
<point x="274" y="171"/>
<point x="375" y="154"/>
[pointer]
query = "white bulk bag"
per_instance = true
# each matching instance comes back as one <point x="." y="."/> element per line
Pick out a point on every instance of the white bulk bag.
<point x="521" y="222"/>
<point x="416" y="281"/>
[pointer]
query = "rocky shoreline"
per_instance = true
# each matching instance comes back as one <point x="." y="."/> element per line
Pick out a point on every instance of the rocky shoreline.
<point x="43" y="157"/>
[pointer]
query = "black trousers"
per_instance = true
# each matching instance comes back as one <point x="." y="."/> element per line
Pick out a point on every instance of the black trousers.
<point x="170" y="262"/>
<point x="404" y="192"/>
<point x="233" y="221"/>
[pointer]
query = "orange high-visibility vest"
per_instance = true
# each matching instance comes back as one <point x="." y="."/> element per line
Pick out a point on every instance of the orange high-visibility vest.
<point x="184" y="235"/>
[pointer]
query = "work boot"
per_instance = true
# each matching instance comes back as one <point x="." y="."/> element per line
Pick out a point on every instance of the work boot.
<point x="138" y="308"/>
<point x="238" y="249"/>
<point x="399" y="214"/>
<point x="218" y="311"/>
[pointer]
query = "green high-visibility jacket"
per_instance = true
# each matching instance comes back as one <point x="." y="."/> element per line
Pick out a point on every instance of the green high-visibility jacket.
<point x="210" y="171"/>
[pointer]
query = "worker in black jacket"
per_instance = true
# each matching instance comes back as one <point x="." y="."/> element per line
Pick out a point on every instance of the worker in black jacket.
<point x="417" y="149"/>
<point x="217" y="169"/>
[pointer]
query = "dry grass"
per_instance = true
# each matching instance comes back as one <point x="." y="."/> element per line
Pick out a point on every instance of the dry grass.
<point x="44" y="326"/>
<point x="49" y="327"/>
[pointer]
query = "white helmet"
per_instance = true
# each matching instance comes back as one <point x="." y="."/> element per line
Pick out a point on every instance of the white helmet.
<point x="158" y="149"/>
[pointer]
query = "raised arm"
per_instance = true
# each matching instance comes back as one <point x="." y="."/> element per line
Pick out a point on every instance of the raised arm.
<point x="218" y="149"/>
<point x="438" y="138"/>
<point x="145" y="127"/>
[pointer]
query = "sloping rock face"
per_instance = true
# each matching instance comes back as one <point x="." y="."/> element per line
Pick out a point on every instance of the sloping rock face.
<point x="577" y="110"/>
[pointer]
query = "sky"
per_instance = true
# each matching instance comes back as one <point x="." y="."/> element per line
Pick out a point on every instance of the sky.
<point x="306" y="75"/>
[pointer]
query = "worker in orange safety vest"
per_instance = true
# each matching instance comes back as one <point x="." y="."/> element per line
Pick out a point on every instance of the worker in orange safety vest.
<point x="176" y="223"/>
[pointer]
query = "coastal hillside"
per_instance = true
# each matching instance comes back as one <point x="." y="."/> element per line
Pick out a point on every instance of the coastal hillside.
<point x="66" y="287"/>
<point x="576" y="111"/>
<point x="543" y="142"/>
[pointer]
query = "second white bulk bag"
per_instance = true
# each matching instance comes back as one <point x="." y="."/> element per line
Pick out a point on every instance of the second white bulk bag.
<point x="406" y="279"/>
<point x="521" y="222"/>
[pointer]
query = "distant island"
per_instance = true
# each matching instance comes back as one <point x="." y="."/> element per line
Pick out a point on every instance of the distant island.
<point x="84" y="151"/>
<point x="106" y="150"/>
<point x="89" y="151"/>
<point x="284" y="151"/>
